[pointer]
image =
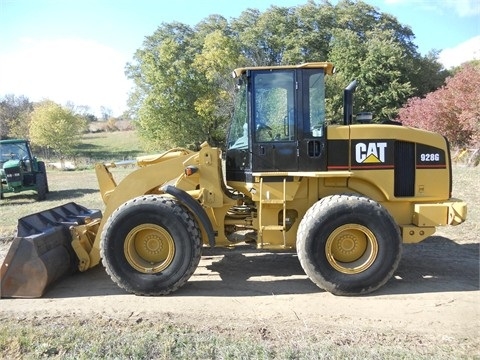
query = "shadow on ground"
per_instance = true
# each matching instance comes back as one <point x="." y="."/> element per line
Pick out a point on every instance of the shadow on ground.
<point x="435" y="265"/>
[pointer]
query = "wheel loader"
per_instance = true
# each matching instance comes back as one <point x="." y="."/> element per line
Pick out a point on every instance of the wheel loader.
<point x="343" y="197"/>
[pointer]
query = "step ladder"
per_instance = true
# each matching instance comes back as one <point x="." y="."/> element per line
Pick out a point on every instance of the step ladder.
<point x="264" y="199"/>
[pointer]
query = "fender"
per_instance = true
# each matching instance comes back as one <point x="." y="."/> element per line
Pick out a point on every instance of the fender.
<point x="195" y="208"/>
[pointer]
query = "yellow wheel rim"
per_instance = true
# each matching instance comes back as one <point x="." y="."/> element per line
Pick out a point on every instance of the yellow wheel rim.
<point x="149" y="248"/>
<point x="351" y="248"/>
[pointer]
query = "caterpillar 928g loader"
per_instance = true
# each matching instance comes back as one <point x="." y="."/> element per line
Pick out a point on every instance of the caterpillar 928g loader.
<point x="344" y="197"/>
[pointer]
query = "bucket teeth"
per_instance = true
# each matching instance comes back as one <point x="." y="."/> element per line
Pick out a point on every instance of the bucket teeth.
<point x="42" y="252"/>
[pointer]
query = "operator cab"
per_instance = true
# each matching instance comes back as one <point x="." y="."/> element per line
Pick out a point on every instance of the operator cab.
<point x="279" y="121"/>
<point x="16" y="151"/>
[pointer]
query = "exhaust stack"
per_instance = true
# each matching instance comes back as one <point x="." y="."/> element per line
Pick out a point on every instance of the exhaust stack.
<point x="348" y="102"/>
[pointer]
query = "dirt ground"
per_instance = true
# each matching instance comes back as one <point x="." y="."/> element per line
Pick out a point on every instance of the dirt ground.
<point x="433" y="295"/>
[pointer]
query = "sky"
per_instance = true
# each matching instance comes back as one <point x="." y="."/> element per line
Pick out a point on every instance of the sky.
<point x="76" y="50"/>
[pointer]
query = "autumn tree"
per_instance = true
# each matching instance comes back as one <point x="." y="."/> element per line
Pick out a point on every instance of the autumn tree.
<point x="55" y="127"/>
<point x="453" y="110"/>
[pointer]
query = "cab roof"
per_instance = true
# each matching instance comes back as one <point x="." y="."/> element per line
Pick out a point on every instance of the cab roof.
<point x="13" y="141"/>
<point x="327" y="66"/>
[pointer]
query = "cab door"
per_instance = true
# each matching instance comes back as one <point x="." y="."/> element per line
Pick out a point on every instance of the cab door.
<point x="312" y="142"/>
<point x="274" y="130"/>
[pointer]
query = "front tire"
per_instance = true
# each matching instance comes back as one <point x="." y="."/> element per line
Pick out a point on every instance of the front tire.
<point x="348" y="244"/>
<point x="41" y="185"/>
<point x="42" y="169"/>
<point x="151" y="245"/>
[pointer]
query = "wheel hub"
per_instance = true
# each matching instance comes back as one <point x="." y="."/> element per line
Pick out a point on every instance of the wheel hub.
<point x="152" y="244"/>
<point x="351" y="248"/>
<point x="149" y="248"/>
<point x="348" y="246"/>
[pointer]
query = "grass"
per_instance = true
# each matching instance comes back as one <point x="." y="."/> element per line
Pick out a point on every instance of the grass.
<point x="113" y="146"/>
<point x="107" y="338"/>
<point x="465" y="187"/>
<point x="65" y="186"/>
<point x="80" y="185"/>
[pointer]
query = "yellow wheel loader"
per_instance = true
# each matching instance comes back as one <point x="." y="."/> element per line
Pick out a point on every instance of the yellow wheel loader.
<point x="344" y="197"/>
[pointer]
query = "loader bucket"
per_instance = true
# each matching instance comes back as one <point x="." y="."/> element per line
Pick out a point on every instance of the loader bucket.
<point x="41" y="253"/>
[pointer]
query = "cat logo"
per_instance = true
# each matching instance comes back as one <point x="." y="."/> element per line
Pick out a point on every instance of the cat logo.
<point x="370" y="153"/>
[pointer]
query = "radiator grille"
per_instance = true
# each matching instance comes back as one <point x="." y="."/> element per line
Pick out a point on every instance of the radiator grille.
<point x="404" y="172"/>
<point x="13" y="174"/>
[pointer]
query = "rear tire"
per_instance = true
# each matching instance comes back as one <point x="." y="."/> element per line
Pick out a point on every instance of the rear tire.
<point x="348" y="244"/>
<point x="151" y="245"/>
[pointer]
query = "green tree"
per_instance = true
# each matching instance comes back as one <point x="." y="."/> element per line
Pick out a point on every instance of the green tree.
<point x="181" y="85"/>
<point x="214" y="108"/>
<point x="181" y="95"/>
<point x="283" y="35"/>
<point x="346" y="50"/>
<point x="247" y="33"/>
<point x="167" y="87"/>
<point x="55" y="127"/>
<point x="312" y="32"/>
<point x="426" y="74"/>
<point x="379" y="53"/>
<point x="383" y="90"/>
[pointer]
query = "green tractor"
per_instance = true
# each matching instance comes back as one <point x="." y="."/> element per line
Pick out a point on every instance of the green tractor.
<point x="20" y="170"/>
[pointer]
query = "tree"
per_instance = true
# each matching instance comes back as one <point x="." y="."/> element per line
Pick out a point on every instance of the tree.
<point x="167" y="87"/>
<point x="377" y="51"/>
<point x="376" y="62"/>
<point x="451" y="110"/>
<point x="312" y="33"/>
<point x="106" y="113"/>
<point x="245" y="30"/>
<point x="180" y="99"/>
<point x="14" y="116"/>
<point x="181" y="85"/>
<point x="55" y="127"/>
<point x="426" y="74"/>
<point x="214" y="108"/>
<point x="388" y="86"/>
